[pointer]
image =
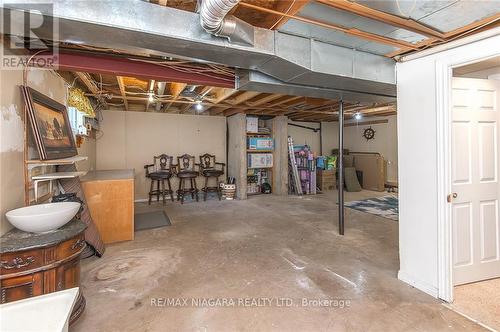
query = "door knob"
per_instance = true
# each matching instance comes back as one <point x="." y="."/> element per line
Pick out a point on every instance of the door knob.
<point x="450" y="197"/>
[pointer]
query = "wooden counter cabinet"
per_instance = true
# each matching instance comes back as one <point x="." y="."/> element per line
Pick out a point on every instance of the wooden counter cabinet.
<point x="110" y="198"/>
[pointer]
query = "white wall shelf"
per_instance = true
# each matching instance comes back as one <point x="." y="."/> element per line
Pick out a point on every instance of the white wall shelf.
<point x="52" y="177"/>
<point x="54" y="162"/>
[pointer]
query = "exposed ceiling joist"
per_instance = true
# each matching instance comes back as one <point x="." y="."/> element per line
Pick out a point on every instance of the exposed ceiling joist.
<point x="221" y="94"/>
<point x="87" y="80"/>
<point x="350" y="31"/>
<point x="241" y="98"/>
<point x="290" y="7"/>
<point x="488" y="22"/>
<point x="264" y="100"/>
<point x="151" y="87"/>
<point x="405" y="23"/>
<point x="215" y="110"/>
<point x="175" y="91"/>
<point x="285" y="100"/>
<point x="123" y="92"/>
<point x="232" y="111"/>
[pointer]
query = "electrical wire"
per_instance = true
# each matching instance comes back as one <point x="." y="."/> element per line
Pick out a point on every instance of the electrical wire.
<point x="282" y="17"/>
<point x="411" y="9"/>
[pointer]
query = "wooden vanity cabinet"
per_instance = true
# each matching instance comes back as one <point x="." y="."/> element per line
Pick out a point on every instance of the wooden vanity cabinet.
<point x="37" y="264"/>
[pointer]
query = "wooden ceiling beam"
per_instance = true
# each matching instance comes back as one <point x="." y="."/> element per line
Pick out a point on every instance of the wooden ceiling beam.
<point x="123" y="92"/>
<point x="232" y="111"/>
<point x="175" y="90"/>
<point x="475" y="27"/>
<point x="221" y="94"/>
<point x="264" y="100"/>
<point x="286" y="100"/>
<point x="397" y="21"/>
<point x="217" y="110"/>
<point x="291" y="7"/>
<point x="151" y="87"/>
<point x="350" y="31"/>
<point x="89" y="83"/>
<point x="243" y="97"/>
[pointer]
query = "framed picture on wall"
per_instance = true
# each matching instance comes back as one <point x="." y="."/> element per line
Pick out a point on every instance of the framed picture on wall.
<point x="50" y="125"/>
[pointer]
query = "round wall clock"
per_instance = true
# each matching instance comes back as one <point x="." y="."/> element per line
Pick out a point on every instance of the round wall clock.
<point x="369" y="133"/>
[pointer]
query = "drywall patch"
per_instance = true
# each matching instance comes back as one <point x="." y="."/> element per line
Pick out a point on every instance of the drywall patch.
<point x="11" y="133"/>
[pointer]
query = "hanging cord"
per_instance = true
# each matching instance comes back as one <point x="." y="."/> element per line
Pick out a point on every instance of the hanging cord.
<point x="281" y="18"/>
<point x="26" y="67"/>
<point x="411" y="9"/>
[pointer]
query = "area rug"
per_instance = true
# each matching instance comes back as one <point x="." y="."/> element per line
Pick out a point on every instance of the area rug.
<point x="385" y="206"/>
<point x="150" y="220"/>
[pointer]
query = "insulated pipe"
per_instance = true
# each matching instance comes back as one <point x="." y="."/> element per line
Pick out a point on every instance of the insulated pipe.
<point x="340" y="164"/>
<point x="212" y="17"/>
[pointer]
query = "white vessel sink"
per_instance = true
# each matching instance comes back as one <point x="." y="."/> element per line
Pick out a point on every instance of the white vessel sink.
<point x="43" y="217"/>
<point x="42" y="313"/>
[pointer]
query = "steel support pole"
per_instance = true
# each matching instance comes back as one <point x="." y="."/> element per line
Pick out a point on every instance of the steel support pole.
<point x="340" y="163"/>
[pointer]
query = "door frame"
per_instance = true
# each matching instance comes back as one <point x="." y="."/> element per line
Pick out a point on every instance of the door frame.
<point x="444" y="66"/>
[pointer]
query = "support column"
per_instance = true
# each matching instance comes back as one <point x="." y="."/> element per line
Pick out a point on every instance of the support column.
<point x="340" y="164"/>
<point x="237" y="152"/>
<point x="280" y="157"/>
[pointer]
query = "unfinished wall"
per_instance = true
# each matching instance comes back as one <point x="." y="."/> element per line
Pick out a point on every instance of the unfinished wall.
<point x="385" y="142"/>
<point x="302" y="136"/>
<point x="131" y="139"/>
<point x="12" y="129"/>
<point x="330" y="136"/>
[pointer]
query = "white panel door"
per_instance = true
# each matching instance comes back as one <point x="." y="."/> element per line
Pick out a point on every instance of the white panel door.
<point x="475" y="153"/>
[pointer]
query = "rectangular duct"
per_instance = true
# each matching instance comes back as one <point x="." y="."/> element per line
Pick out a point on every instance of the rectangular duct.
<point x="145" y="28"/>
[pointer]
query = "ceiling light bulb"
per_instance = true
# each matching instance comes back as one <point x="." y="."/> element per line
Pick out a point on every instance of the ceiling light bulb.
<point x="151" y="97"/>
<point x="198" y="106"/>
<point x="358" y="116"/>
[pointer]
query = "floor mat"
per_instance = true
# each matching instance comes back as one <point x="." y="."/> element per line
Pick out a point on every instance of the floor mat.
<point x="149" y="220"/>
<point x="386" y="206"/>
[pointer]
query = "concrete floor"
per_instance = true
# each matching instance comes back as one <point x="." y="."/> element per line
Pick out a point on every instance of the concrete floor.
<point x="480" y="300"/>
<point x="280" y="250"/>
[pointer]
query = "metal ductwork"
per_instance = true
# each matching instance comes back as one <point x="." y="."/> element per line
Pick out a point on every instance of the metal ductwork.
<point x="251" y="80"/>
<point x="213" y="19"/>
<point x="145" y="28"/>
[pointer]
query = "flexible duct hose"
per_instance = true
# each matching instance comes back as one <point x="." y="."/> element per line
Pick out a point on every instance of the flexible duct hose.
<point x="212" y="17"/>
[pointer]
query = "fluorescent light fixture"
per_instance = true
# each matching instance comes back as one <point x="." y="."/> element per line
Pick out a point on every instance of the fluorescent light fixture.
<point x="358" y="116"/>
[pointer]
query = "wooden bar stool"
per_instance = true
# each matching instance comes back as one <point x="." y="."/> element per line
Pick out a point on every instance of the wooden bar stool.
<point x="186" y="171"/>
<point x="160" y="171"/>
<point x="209" y="169"/>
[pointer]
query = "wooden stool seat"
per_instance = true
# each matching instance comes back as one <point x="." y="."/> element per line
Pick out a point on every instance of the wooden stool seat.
<point x="186" y="172"/>
<point x="163" y="171"/>
<point x="208" y="169"/>
<point x="212" y="173"/>
<point x="160" y="175"/>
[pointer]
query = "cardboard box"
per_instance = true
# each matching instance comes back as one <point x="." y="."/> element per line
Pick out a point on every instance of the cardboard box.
<point x="373" y="168"/>
<point x="323" y="173"/>
<point x="325" y="179"/>
<point x="260" y="143"/>
<point x="252" y="124"/>
<point x="260" y="160"/>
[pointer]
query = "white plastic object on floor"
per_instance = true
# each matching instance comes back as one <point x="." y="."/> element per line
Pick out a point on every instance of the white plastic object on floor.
<point x="49" y="312"/>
